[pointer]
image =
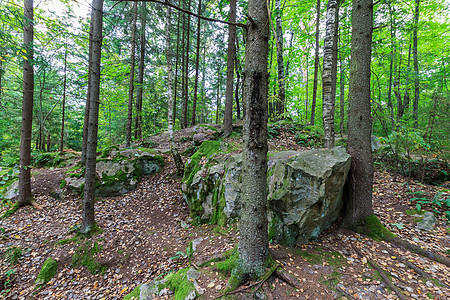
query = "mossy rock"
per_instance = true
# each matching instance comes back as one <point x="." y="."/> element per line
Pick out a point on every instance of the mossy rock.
<point x="206" y="150"/>
<point x="47" y="272"/>
<point x="373" y="228"/>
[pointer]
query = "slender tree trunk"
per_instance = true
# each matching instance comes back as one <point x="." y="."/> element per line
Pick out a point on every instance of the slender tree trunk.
<point x="359" y="203"/>
<point x="186" y="71"/>
<point x="406" y="99"/>
<point x="88" y="102"/>
<point x="176" y="156"/>
<point x="175" y="93"/>
<point x="253" y="241"/>
<point x="342" y="91"/>
<point x="197" y="60"/>
<point x="307" y="88"/>
<point x="61" y="146"/>
<point x="238" y="82"/>
<point x="140" y="87"/>
<point x="131" y="86"/>
<point x="316" y="66"/>
<point x="391" y="65"/>
<point x="218" y="93"/>
<point x="280" y="62"/>
<point x="231" y="55"/>
<point x="25" y="195"/>
<point x="416" y="66"/>
<point x="330" y="72"/>
<point x="88" y="219"/>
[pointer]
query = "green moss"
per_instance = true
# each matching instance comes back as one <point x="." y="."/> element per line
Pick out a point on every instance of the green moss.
<point x="134" y="295"/>
<point x="209" y="127"/>
<point x="372" y="227"/>
<point x="227" y="266"/>
<point x="206" y="149"/>
<point x="105" y="151"/>
<point x="318" y="256"/>
<point x="86" y="255"/>
<point x="411" y="212"/>
<point x="179" y="284"/>
<point x="47" y="272"/>
<point x="62" y="184"/>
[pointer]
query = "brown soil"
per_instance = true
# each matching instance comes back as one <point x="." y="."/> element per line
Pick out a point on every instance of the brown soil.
<point x="143" y="230"/>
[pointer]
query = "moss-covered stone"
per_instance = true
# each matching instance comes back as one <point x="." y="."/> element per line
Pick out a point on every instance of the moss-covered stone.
<point x="47" y="272"/>
<point x="134" y="295"/>
<point x="206" y="149"/>
<point x="372" y="227"/>
<point x="180" y="285"/>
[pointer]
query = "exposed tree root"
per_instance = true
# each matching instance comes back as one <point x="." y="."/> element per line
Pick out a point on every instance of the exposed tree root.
<point x="416" y="269"/>
<point x="35" y="205"/>
<point x="418" y="250"/>
<point x="381" y="272"/>
<point x="286" y="278"/>
<point x="343" y="292"/>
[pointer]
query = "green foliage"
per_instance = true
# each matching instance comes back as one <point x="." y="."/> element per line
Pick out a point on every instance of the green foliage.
<point x="6" y="282"/>
<point x="47" y="272"/>
<point x="12" y="254"/>
<point x="188" y="254"/>
<point x="407" y="140"/>
<point x="229" y="263"/>
<point x="7" y="177"/>
<point x="86" y="255"/>
<point x="10" y="211"/>
<point x="438" y="203"/>
<point x="372" y="227"/>
<point x="310" y="136"/>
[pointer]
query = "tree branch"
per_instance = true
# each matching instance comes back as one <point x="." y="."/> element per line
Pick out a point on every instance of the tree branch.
<point x="185" y="11"/>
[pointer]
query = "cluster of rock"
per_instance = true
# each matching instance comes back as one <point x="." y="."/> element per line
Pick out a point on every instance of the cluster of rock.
<point x="119" y="171"/>
<point x="305" y="191"/>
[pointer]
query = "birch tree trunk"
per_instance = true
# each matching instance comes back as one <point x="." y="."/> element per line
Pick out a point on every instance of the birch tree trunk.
<point x="131" y="86"/>
<point x="330" y="72"/>
<point x="228" y="117"/>
<point x="25" y="196"/>
<point x="88" y="219"/>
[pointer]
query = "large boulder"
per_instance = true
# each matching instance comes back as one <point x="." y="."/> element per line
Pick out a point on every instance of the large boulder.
<point x="304" y="196"/>
<point x="119" y="171"/>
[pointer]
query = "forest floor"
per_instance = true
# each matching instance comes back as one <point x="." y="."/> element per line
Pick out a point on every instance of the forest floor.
<point x="142" y="231"/>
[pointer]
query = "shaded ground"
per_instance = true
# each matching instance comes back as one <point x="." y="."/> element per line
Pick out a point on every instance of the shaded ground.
<point x="144" y="229"/>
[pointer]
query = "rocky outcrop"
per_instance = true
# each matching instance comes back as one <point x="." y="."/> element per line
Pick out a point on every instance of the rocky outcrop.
<point x="305" y="191"/>
<point x="119" y="171"/>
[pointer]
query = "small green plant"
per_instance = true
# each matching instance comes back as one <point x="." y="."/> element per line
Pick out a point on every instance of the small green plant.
<point x="86" y="255"/>
<point x="188" y="254"/>
<point x="438" y="201"/>
<point x="13" y="254"/>
<point x="6" y="282"/>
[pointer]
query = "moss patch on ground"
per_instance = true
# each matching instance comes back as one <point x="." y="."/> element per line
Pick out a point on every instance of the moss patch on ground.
<point x="180" y="285"/>
<point x="47" y="272"/>
<point x="86" y="255"/>
<point x="319" y="256"/>
<point x="372" y="227"/>
<point x="134" y="295"/>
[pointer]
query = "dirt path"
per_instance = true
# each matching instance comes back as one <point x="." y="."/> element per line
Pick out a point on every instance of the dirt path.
<point x="144" y="229"/>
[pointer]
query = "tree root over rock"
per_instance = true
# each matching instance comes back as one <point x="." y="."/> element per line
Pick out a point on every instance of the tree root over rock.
<point x="381" y="272"/>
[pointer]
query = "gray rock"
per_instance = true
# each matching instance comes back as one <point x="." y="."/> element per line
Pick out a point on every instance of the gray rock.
<point x="305" y="192"/>
<point x="150" y="290"/>
<point x="428" y="222"/>
<point x="121" y="171"/>
<point x="12" y="191"/>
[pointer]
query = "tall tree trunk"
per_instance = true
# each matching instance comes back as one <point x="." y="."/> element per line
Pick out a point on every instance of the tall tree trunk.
<point x="307" y="88"/>
<point x="330" y="72"/>
<point x="27" y="108"/>
<point x="280" y="62"/>
<point x="140" y="88"/>
<point x="218" y="93"/>
<point x="131" y="84"/>
<point x="176" y="156"/>
<point x="253" y="241"/>
<point x="231" y="56"/>
<point x="186" y="72"/>
<point x="406" y="99"/>
<point x="316" y="66"/>
<point x="88" y="101"/>
<point x="88" y="219"/>
<point x="416" y="66"/>
<point x="197" y="60"/>
<point x="61" y="146"/>
<point x="359" y="203"/>
<point x="391" y="65"/>
<point x="177" y="56"/>
<point x="238" y="82"/>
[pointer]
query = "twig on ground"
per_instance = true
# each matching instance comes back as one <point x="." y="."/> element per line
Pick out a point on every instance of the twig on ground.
<point x="381" y="272"/>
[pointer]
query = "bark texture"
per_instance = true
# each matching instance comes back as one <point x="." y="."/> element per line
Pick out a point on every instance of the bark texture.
<point x="197" y="60"/>
<point x="88" y="220"/>
<point x="27" y="108"/>
<point x="416" y="66"/>
<point x="140" y="87"/>
<point x="231" y="56"/>
<point x="316" y="66"/>
<point x="131" y="84"/>
<point x="330" y="72"/>
<point x="253" y="242"/>
<point x="63" y="104"/>
<point x="280" y="62"/>
<point x="359" y="202"/>
<point x="88" y="101"/>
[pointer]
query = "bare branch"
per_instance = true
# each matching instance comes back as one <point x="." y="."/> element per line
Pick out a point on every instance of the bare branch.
<point x="185" y="11"/>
